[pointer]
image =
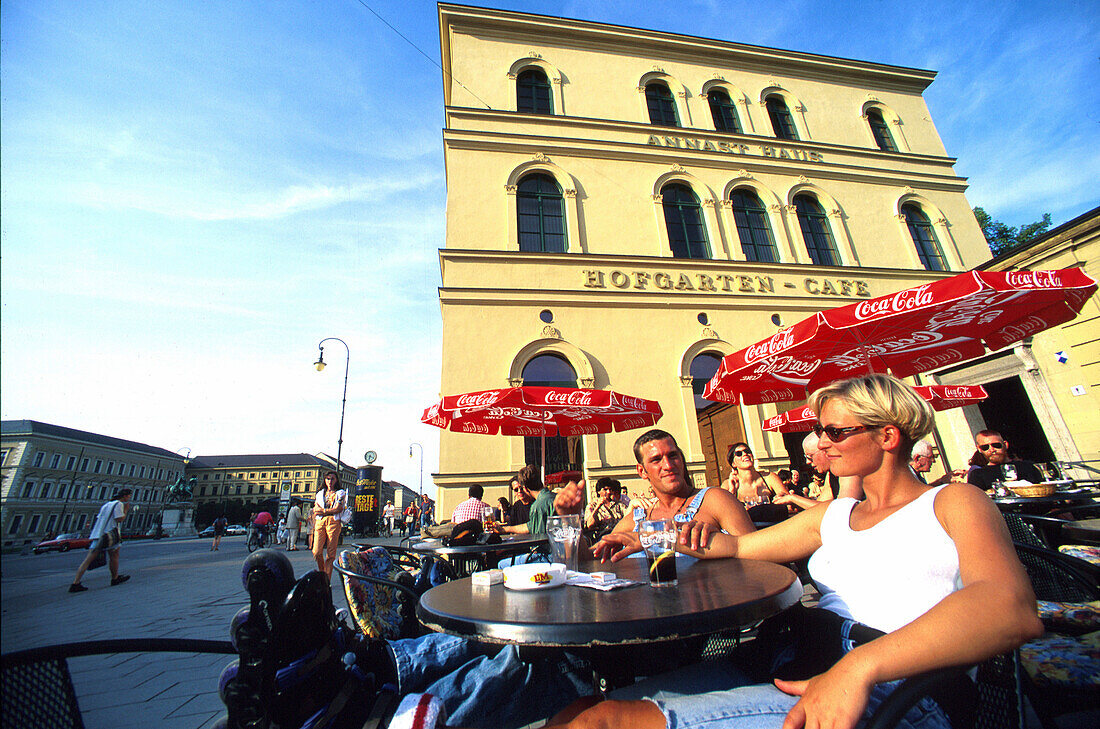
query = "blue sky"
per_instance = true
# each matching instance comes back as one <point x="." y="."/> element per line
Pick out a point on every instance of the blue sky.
<point x="194" y="194"/>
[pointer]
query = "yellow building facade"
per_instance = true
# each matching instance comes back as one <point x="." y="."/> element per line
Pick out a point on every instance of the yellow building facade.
<point x="637" y="204"/>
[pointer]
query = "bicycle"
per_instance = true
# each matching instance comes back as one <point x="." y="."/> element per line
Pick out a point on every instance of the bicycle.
<point x="257" y="539"/>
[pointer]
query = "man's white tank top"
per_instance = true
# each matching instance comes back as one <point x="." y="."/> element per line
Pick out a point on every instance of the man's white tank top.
<point x="890" y="574"/>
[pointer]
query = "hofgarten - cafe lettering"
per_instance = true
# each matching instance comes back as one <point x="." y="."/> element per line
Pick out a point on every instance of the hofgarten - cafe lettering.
<point x="721" y="283"/>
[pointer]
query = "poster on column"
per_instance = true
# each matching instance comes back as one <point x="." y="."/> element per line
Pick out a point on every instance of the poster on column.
<point x="367" y="507"/>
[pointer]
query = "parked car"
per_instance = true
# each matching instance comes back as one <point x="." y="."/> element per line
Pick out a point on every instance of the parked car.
<point x="207" y="532"/>
<point x="63" y="543"/>
<point x="235" y="530"/>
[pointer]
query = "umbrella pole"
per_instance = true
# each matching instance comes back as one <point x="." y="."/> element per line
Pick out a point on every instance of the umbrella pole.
<point x="543" y="436"/>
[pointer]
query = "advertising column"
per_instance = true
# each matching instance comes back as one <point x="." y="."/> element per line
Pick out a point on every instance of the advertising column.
<point x="368" y="500"/>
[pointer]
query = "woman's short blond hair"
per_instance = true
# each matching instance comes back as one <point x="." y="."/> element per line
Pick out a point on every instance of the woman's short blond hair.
<point x="878" y="400"/>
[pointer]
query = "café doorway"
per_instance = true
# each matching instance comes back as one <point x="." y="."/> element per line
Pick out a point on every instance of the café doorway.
<point x="1008" y="411"/>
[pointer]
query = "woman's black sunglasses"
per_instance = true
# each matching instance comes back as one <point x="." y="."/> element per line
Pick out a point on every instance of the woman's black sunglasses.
<point x="836" y="434"/>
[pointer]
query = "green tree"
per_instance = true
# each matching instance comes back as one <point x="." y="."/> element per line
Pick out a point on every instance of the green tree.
<point x="1002" y="238"/>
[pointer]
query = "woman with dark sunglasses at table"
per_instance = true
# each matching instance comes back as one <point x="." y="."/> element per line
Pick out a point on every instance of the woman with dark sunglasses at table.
<point x="913" y="578"/>
<point x="754" y="488"/>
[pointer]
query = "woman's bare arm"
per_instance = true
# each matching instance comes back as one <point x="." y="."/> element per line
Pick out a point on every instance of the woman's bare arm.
<point x="992" y="613"/>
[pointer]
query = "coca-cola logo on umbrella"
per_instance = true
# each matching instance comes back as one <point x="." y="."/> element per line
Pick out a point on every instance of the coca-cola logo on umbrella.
<point x="901" y="301"/>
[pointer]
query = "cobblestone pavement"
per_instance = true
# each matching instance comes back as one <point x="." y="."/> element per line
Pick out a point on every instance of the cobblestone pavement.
<point x="179" y="589"/>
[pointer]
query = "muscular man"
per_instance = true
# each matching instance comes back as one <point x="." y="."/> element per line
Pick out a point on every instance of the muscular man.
<point x="994" y="447"/>
<point x="661" y="463"/>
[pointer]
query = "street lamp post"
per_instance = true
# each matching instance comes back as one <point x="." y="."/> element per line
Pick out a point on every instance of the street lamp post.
<point x="320" y="365"/>
<point x="421" y="466"/>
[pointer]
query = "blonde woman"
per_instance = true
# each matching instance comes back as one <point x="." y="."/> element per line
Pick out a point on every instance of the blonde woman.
<point x="913" y="578"/>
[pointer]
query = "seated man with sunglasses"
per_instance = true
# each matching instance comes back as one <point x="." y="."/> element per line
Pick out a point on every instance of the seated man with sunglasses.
<point x="994" y="447"/>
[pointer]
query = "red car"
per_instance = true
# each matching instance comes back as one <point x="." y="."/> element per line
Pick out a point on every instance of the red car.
<point x="63" y="543"/>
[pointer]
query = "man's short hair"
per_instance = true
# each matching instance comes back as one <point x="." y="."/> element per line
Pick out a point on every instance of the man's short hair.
<point x="609" y="483"/>
<point x="922" y="448"/>
<point x="988" y="434"/>
<point x="476" y="491"/>
<point x="650" y="436"/>
<point x="123" y="493"/>
<point x="809" y="444"/>
<point x="529" y="478"/>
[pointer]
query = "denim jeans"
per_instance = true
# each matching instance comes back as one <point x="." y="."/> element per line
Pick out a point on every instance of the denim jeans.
<point x="494" y="691"/>
<point x="717" y="694"/>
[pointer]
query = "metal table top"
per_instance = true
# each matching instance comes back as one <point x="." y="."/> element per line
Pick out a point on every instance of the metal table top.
<point x="712" y="595"/>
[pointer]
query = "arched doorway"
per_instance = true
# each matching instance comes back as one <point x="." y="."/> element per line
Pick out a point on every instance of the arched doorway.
<point x="562" y="454"/>
<point x="719" y="423"/>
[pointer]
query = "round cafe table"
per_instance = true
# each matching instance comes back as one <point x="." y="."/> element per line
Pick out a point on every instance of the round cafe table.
<point x="712" y="596"/>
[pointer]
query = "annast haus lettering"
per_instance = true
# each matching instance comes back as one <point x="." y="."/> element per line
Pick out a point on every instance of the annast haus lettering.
<point x="707" y="145"/>
<point x="719" y="283"/>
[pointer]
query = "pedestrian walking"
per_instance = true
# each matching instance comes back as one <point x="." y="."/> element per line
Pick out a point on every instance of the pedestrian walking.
<point x="387" y="518"/>
<point x="293" y="525"/>
<point x="106" y="537"/>
<point x="220" y="525"/>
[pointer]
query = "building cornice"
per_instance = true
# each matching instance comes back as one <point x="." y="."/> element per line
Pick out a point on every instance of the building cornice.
<point x="544" y="30"/>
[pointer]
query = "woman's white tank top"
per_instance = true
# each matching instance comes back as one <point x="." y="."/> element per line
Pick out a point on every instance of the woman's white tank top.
<point x="890" y="574"/>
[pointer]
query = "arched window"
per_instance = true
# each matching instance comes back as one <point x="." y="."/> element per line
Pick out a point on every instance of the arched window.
<point x="815" y="231"/>
<point x="924" y="238"/>
<point x="723" y="112"/>
<point x="562" y="454"/>
<point x="533" y="92"/>
<point x="752" y="227"/>
<point x="684" y="221"/>
<point x="881" y="132"/>
<point x="662" y="108"/>
<point x="719" y="423"/>
<point x="541" y="215"/>
<point x="782" y="124"/>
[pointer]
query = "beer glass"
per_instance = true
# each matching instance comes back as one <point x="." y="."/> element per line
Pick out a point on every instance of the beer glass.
<point x="658" y="539"/>
<point x="564" y="533"/>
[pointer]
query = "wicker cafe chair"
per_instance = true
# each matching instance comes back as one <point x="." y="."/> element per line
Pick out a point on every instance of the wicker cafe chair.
<point x="1062" y="669"/>
<point x="1000" y="701"/>
<point x="383" y="587"/>
<point x="37" y="687"/>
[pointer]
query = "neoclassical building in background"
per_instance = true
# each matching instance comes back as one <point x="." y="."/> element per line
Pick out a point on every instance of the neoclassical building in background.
<point x="626" y="206"/>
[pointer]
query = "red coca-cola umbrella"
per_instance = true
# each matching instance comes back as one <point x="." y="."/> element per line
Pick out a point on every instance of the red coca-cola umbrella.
<point x="940" y="397"/>
<point x="919" y="329"/>
<point x="542" y="411"/>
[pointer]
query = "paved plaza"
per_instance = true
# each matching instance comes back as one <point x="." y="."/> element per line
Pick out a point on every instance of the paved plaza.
<point x="179" y="589"/>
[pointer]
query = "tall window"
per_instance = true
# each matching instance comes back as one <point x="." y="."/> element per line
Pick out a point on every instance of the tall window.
<point x="752" y="227"/>
<point x="684" y="222"/>
<point x="541" y="214"/>
<point x="924" y="238"/>
<point x="533" y="92"/>
<point x="719" y="423"/>
<point x="881" y="132"/>
<point x="815" y="231"/>
<point x="782" y="124"/>
<point x="723" y="112"/>
<point x="662" y="108"/>
<point x="562" y="454"/>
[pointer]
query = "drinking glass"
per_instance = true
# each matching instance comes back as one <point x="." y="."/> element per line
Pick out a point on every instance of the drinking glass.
<point x="658" y="539"/>
<point x="564" y="533"/>
<point x="488" y="516"/>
